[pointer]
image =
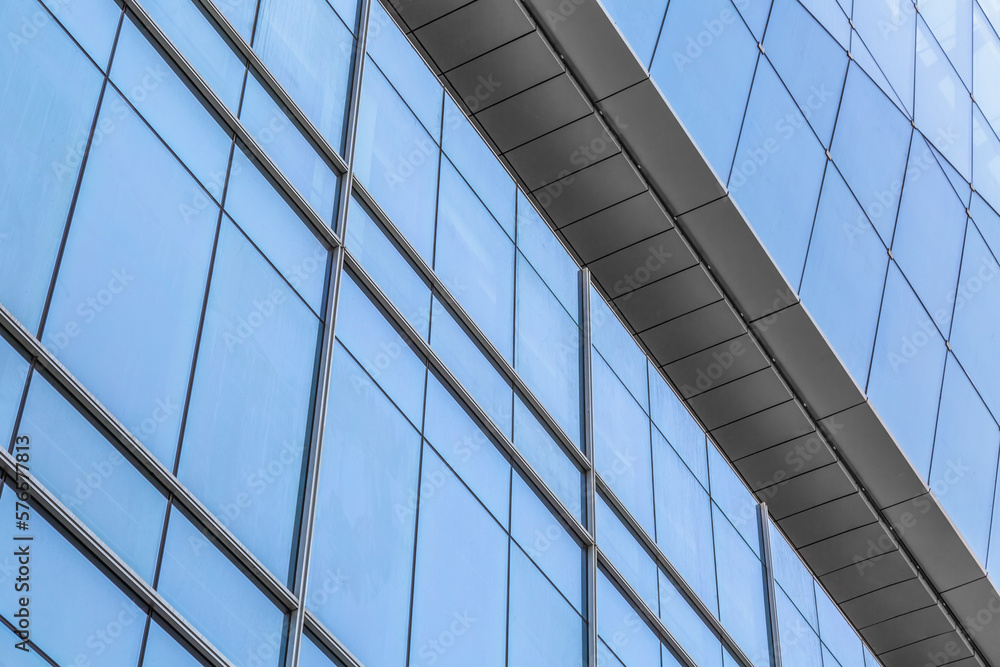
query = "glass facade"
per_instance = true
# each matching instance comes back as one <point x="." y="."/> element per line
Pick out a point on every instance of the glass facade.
<point x="302" y="377"/>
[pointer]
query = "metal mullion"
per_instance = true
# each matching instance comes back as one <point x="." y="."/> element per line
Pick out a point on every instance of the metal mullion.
<point x="330" y="641"/>
<point x="234" y="125"/>
<point x="260" y="69"/>
<point x="635" y="600"/>
<point x="446" y="296"/>
<point x="664" y="563"/>
<point x="145" y="459"/>
<point x="582" y="535"/>
<point x="308" y="520"/>
<point x="48" y="502"/>
<point x="590" y="475"/>
<point x="772" y="597"/>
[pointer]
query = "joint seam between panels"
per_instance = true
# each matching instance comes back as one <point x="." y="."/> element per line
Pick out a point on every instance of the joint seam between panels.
<point x="145" y="459"/>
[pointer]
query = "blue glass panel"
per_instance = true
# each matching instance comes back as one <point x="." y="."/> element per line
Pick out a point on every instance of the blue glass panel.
<point x="943" y="106"/>
<point x="310" y="655"/>
<point x="347" y="10"/>
<point x="626" y="554"/>
<point x="792" y="576"/>
<point x="742" y="597"/>
<point x="828" y="659"/>
<point x="964" y="468"/>
<point x="704" y="65"/>
<point x="687" y="626"/>
<point x="621" y="445"/>
<point x="618" y="348"/>
<point x="547" y="542"/>
<point x="468" y="450"/>
<point x="988" y="223"/>
<point x="986" y="66"/>
<point x="309" y="50"/>
<point x="684" y="522"/>
<point x="251" y="402"/>
<point x="544" y="629"/>
<point x="10" y="654"/>
<point x="639" y="22"/>
<point x="92" y="478"/>
<point x="470" y="365"/>
<point x="755" y="13"/>
<point x="734" y="499"/>
<point x="166" y="102"/>
<point x="290" y="150"/>
<point x="606" y="657"/>
<point x="844" y="276"/>
<point x="992" y="10"/>
<point x="74" y="610"/>
<point x="623" y="629"/>
<point x="397" y="161"/>
<point x="13" y="371"/>
<point x="951" y="23"/>
<point x="778" y="171"/>
<point x="203" y="585"/>
<point x="548" y="257"/>
<point x="869" y="147"/>
<point x="405" y="70"/>
<point x="548" y="351"/>
<point x="162" y="650"/>
<point x="547" y="457"/>
<point x="479" y="166"/>
<point x="975" y="336"/>
<point x="91" y="22"/>
<point x="676" y="423"/>
<point x="831" y="15"/>
<point x="362" y="551"/>
<point x="837" y="634"/>
<point x="929" y="210"/>
<point x="475" y="260"/>
<point x="867" y="63"/>
<point x="203" y="46"/>
<point x="460" y="582"/>
<point x="241" y="14"/>
<point x="277" y="230"/>
<point x="384" y="263"/>
<point x="799" y="643"/>
<point x="985" y="159"/>
<point x="809" y="61"/>
<point x="44" y="136"/>
<point x="958" y="182"/>
<point x="380" y="349"/>
<point x="887" y="29"/>
<point x="128" y="299"/>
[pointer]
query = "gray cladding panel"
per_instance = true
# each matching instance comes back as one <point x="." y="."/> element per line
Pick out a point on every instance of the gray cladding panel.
<point x="563" y="152"/>
<point x="670" y="297"/>
<point x="472" y="30"/>
<point x="534" y="112"/>
<point x="785" y="461"/>
<point x="719" y="364"/>
<point x="888" y="602"/>
<point x="642" y="263"/>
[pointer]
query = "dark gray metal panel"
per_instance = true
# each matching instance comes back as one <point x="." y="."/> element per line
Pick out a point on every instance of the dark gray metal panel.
<point x="825" y="521"/>
<point x="668" y="298"/>
<point x="717" y="365"/>
<point x="693" y="332"/>
<point x="588" y="191"/>
<point x="906" y="629"/>
<point x="977" y="606"/>
<point x="740" y="398"/>
<point x="578" y="27"/>
<point x="808" y="361"/>
<point x="534" y="112"/>
<point x="849" y="548"/>
<point x="807" y="491"/>
<point x="738" y="258"/>
<point x="617" y="227"/>
<point x="661" y="145"/>
<point x="785" y="461"/>
<point x="867" y="576"/>
<point x="469" y="32"/>
<point x="763" y="430"/>
<point x="418" y="12"/>
<point x="507" y="71"/>
<point x="563" y="152"/>
<point x="888" y="602"/>
<point x="864" y="442"/>
<point x="643" y="263"/>
<point x="934" y="541"/>
<point x="945" y="649"/>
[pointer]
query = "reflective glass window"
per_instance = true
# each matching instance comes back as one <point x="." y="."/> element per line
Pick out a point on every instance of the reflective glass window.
<point x="830" y="14"/>
<point x="887" y="28"/>
<point x="91" y="22"/>
<point x="44" y="135"/>
<point x="734" y="499"/>
<point x="626" y="554"/>
<point x="621" y="627"/>
<point x="618" y="348"/>
<point x="13" y="371"/>
<point x="309" y="50"/>
<point x="639" y="22"/>
<point x="241" y="14"/>
<point x="676" y="423"/>
<point x="203" y="585"/>
<point x="951" y="23"/>
<point x="687" y="626"/>
<point x="799" y="642"/>
<point x="249" y="416"/>
<point x="837" y="634"/>
<point x="397" y="161"/>
<point x="547" y="256"/>
<point x="943" y="107"/>
<point x="460" y="582"/>
<point x="162" y="650"/>
<point x="127" y="302"/>
<point x="791" y="574"/>
<point x="986" y="67"/>
<point x="985" y="159"/>
<point x="547" y="457"/>
<point x="362" y="550"/>
<point x="310" y="655"/>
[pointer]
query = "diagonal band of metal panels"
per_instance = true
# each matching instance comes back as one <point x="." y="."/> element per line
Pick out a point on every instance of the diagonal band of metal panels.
<point x="556" y="90"/>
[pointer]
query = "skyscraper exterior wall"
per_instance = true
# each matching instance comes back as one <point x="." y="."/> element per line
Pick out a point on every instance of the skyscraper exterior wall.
<point x="295" y="372"/>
